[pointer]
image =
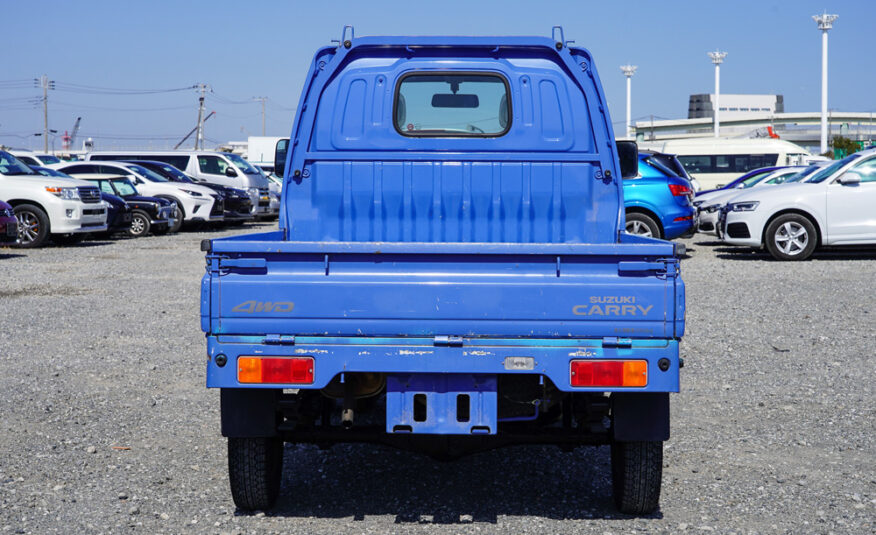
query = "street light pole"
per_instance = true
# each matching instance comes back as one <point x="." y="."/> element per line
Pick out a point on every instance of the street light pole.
<point x="629" y="71"/>
<point x="825" y="23"/>
<point x="717" y="59"/>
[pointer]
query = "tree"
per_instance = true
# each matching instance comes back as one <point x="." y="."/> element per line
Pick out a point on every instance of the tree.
<point x="842" y="147"/>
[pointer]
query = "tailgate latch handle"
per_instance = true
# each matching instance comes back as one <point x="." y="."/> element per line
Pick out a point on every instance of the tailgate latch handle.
<point x="243" y="263"/>
<point x="641" y="266"/>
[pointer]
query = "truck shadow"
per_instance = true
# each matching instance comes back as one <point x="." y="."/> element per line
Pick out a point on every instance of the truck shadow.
<point x="361" y="480"/>
<point x="839" y="254"/>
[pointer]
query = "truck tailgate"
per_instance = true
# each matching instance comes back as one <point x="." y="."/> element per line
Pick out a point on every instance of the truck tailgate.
<point x="433" y="289"/>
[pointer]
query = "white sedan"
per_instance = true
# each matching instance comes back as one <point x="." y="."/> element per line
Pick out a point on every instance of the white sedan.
<point x="834" y="207"/>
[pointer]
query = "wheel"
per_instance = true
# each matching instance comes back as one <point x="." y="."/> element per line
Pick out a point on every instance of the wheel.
<point x="33" y="225"/>
<point x="68" y="239"/>
<point x="636" y="471"/>
<point x="255" y="468"/>
<point x="139" y="224"/>
<point x="642" y="225"/>
<point x="791" y="237"/>
<point x="178" y="217"/>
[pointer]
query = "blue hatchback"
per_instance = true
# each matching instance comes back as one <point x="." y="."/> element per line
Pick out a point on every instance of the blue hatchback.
<point x="658" y="201"/>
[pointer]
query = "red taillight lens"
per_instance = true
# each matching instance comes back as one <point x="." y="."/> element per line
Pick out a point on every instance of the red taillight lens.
<point x="609" y="372"/>
<point x="685" y="218"/>
<point x="275" y="370"/>
<point x="678" y="190"/>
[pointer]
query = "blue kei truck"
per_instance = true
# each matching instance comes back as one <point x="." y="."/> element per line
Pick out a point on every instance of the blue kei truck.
<point x="451" y="272"/>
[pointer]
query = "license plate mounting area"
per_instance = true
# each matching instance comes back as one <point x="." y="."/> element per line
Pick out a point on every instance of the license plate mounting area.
<point x="443" y="404"/>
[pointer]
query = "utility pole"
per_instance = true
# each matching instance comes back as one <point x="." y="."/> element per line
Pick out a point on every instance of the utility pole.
<point x="825" y="23"/>
<point x="199" y="139"/>
<point x="717" y="59"/>
<point x="263" y="100"/>
<point x="629" y="71"/>
<point x="46" y="84"/>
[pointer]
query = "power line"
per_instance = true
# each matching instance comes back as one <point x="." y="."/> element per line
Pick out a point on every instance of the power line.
<point x="96" y="90"/>
<point x="104" y="108"/>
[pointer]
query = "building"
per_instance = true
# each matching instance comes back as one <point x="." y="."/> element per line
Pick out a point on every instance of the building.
<point x="734" y="106"/>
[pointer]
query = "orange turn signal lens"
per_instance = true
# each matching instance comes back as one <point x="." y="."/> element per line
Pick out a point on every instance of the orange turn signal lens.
<point x="275" y="370"/>
<point x="628" y="373"/>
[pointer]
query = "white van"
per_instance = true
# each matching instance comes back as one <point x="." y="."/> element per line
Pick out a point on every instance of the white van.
<point x="206" y="166"/>
<point x="716" y="162"/>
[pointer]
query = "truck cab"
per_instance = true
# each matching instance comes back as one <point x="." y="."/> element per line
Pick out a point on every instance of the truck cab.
<point x="451" y="271"/>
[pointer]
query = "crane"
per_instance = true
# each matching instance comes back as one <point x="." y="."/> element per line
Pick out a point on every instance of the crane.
<point x="67" y="140"/>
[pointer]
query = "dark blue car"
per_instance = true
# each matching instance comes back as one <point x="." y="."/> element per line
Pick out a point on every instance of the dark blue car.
<point x="750" y="177"/>
<point x="658" y="201"/>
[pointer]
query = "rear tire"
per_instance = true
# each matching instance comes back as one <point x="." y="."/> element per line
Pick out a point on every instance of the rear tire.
<point x="33" y="226"/>
<point x="140" y="224"/>
<point x="255" y="469"/>
<point x="791" y="237"/>
<point x="636" y="473"/>
<point x="642" y="225"/>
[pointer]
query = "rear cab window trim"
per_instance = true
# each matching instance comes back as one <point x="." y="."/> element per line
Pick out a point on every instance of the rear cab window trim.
<point x="457" y="135"/>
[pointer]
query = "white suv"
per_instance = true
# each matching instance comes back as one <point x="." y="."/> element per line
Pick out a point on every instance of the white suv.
<point x="62" y="208"/>
<point x="834" y="207"/>
<point x="195" y="203"/>
<point x="34" y="158"/>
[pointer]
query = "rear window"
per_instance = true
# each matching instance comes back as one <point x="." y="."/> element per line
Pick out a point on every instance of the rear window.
<point x="447" y="104"/>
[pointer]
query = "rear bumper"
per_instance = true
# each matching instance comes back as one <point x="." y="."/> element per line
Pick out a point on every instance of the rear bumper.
<point x="550" y="358"/>
<point x="673" y="229"/>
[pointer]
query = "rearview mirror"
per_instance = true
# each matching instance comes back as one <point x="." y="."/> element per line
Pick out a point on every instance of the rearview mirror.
<point x="454" y="100"/>
<point x="229" y="171"/>
<point x="628" y="155"/>
<point x="850" y="178"/>
<point x="280" y="157"/>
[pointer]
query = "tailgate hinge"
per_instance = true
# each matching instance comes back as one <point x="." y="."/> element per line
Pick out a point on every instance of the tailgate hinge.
<point x="280" y="339"/>
<point x="614" y="341"/>
<point x="452" y="341"/>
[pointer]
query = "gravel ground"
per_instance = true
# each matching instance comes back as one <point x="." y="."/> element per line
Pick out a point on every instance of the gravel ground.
<point x="106" y="426"/>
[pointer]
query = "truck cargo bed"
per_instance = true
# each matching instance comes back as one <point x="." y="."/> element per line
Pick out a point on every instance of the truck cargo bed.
<point x="261" y="284"/>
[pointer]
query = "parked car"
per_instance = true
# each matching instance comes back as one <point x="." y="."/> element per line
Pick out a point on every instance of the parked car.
<point x="8" y="225"/>
<point x="64" y="209"/>
<point x="834" y="207"/>
<point x="657" y="201"/>
<point x="740" y="182"/>
<point x="195" y="203"/>
<point x="148" y="214"/>
<point x="118" y="217"/>
<point x="236" y="202"/>
<point x="205" y="166"/>
<point x="35" y="158"/>
<point x="713" y="202"/>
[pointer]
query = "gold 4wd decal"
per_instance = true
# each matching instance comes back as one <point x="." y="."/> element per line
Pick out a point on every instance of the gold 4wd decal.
<point x="250" y="307"/>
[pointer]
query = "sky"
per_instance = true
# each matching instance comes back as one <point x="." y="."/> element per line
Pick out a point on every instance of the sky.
<point x="107" y="58"/>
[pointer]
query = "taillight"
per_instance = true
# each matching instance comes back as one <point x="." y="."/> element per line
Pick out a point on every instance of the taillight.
<point x="678" y="190"/>
<point x="609" y="372"/>
<point x="275" y="370"/>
